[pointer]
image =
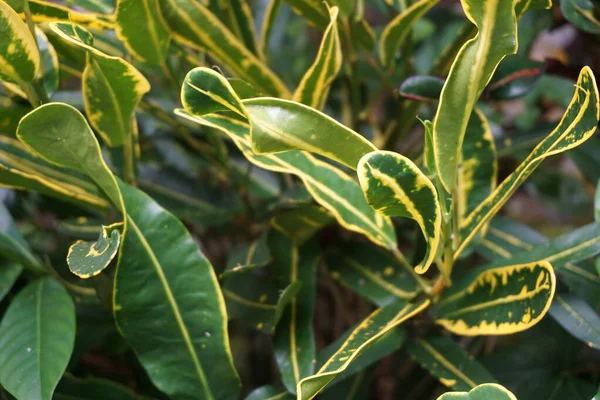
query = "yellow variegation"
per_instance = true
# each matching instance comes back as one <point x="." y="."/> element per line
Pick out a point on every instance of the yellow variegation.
<point x="396" y="32"/>
<point x="525" y="5"/>
<point x="268" y="23"/>
<point x="46" y="11"/>
<point x="577" y="125"/>
<point x="194" y="24"/>
<point x="19" y="55"/>
<point x="380" y="322"/>
<point x="88" y="259"/>
<point x="142" y="29"/>
<point x="497" y="300"/>
<point x="487" y="391"/>
<point x="471" y="71"/>
<point x="241" y="22"/>
<point x="395" y="186"/>
<point x="314" y="86"/>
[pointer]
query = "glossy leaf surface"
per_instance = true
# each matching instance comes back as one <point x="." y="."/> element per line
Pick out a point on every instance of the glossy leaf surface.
<point x="488" y="391"/>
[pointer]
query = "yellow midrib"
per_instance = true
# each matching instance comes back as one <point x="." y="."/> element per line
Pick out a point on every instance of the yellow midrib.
<point x="447" y="364"/>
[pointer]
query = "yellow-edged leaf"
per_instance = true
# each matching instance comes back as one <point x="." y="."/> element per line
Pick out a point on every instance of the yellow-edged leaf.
<point x="46" y="11"/>
<point x="268" y="23"/>
<point x="395" y="186"/>
<point x="471" y="71"/>
<point x="497" y="300"/>
<point x="19" y="55"/>
<point x="314" y="86"/>
<point x="487" y="391"/>
<point x="577" y="125"/>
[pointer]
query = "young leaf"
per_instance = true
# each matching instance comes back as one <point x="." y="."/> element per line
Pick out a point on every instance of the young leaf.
<point x="380" y="322"/>
<point x="395" y="186"/>
<point x="169" y="307"/>
<point x="577" y="125"/>
<point x="314" y="86"/>
<point x="60" y="134"/>
<point x="396" y="32"/>
<point x="487" y="391"/>
<point x="22" y="169"/>
<point x="37" y="334"/>
<point x="194" y="25"/>
<point x="497" y="300"/>
<point x="477" y="176"/>
<point x="294" y="340"/>
<point x="471" y="71"/>
<point x="449" y="363"/>
<point x="578" y="318"/>
<point x="142" y="29"/>
<point x="373" y="274"/>
<point x="19" y="55"/>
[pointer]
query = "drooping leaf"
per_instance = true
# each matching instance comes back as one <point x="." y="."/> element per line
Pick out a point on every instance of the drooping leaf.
<point x="396" y="32"/>
<point x="422" y="87"/>
<point x="294" y="341"/>
<point x="142" y="29"/>
<point x="497" y="300"/>
<point x="314" y="86"/>
<point x="169" y="307"/>
<point x="301" y="223"/>
<point x="19" y="55"/>
<point x="578" y="318"/>
<point x="487" y="391"/>
<point x="22" y="169"/>
<point x="449" y="363"/>
<point x="373" y="274"/>
<point x="394" y="186"/>
<point x="9" y="272"/>
<point x="367" y="332"/>
<point x="60" y="134"/>
<point x="471" y="71"/>
<point x="193" y="24"/>
<point x="88" y="259"/>
<point x="577" y="125"/>
<point x="13" y="246"/>
<point x="36" y="340"/>
<point x="477" y="176"/>
<point x="581" y="14"/>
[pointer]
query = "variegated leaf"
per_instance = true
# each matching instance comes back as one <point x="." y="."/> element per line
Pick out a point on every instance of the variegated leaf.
<point x="497" y="300"/>
<point x="46" y="11"/>
<point x="577" y="125"/>
<point x="19" y="55"/>
<point x="241" y="22"/>
<point x="314" y="86"/>
<point x="142" y="29"/>
<point x="471" y="71"/>
<point x="396" y="32"/>
<point x="268" y="23"/>
<point x="395" y="186"/>
<point x="88" y="259"/>
<point x="487" y="391"/>
<point x="380" y="322"/>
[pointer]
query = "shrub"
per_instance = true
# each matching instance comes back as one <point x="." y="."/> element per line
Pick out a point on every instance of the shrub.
<point x="178" y="223"/>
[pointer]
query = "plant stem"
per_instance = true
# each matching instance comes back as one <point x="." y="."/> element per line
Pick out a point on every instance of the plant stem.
<point x="425" y="286"/>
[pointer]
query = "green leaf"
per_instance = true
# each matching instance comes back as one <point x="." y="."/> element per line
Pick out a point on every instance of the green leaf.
<point x="487" y="391"/>
<point x="194" y="25"/>
<point x="19" y="55"/>
<point x="112" y="89"/>
<point x="294" y="341"/>
<point x="12" y="244"/>
<point x="597" y="203"/>
<point x="241" y="22"/>
<point x="269" y="393"/>
<point x="168" y="305"/>
<point x="314" y="86"/>
<point x="17" y="5"/>
<point x="61" y="135"/>
<point x="380" y="322"/>
<point x="526" y="5"/>
<point x="357" y="387"/>
<point x="581" y="13"/>
<point x="395" y="186"/>
<point x="71" y="388"/>
<point x="88" y="259"/>
<point x="301" y="223"/>
<point x="372" y="273"/>
<point x="398" y="30"/>
<point x="497" y="300"/>
<point x="515" y="77"/>
<point x="245" y="257"/>
<point x="9" y="273"/>
<point x="422" y="87"/>
<point x="36" y="340"/>
<point x="45" y="11"/>
<point x="268" y="24"/>
<point x="142" y="29"/>
<point x="577" y="125"/>
<point x="22" y="169"/>
<point x="477" y="177"/>
<point x="449" y="363"/>
<point x="471" y="71"/>
<point x="578" y="318"/>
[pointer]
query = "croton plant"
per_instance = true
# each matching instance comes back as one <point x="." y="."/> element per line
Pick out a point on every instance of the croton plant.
<point x="279" y="199"/>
